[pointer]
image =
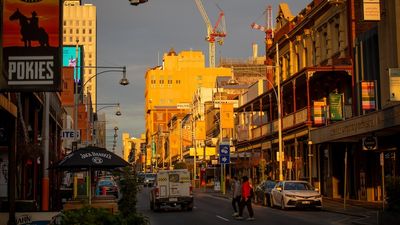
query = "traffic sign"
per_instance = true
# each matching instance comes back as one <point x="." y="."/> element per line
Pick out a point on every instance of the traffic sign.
<point x="224" y="154"/>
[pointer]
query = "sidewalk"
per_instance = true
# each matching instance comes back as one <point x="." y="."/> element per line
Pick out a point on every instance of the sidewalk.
<point x="365" y="213"/>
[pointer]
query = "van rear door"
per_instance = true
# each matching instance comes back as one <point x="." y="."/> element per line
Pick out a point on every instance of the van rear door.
<point x="162" y="183"/>
<point x="179" y="183"/>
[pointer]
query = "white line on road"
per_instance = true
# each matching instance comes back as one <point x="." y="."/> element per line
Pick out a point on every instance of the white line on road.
<point x="222" y="218"/>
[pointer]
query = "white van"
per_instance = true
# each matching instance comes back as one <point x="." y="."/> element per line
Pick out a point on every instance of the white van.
<point x="172" y="188"/>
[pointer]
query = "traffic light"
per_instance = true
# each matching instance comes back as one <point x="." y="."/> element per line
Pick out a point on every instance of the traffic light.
<point x="137" y="2"/>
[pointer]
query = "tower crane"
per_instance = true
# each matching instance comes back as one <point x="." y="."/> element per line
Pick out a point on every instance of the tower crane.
<point x="269" y="35"/>
<point x="214" y="34"/>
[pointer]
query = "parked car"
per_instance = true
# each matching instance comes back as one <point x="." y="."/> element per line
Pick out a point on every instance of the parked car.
<point x="263" y="192"/>
<point x="149" y="179"/>
<point x="107" y="187"/>
<point x="292" y="194"/>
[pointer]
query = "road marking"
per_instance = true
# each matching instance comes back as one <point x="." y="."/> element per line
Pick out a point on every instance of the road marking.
<point x="222" y="218"/>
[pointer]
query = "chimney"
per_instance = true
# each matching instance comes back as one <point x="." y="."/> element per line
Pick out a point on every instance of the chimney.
<point x="255" y="50"/>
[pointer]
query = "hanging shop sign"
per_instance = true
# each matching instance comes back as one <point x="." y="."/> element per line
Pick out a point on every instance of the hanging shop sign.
<point x="370" y="143"/>
<point x="368" y="95"/>
<point x="371" y="10"/>
<point x="31" y="39"/>
<point x="319" y="112"/>
<point x="335" y="107"/>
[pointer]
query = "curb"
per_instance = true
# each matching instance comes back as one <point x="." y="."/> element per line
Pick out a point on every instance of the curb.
<point x="343" y="213"/>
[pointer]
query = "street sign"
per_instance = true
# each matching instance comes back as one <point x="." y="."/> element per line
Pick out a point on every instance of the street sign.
<point x="70" y="134"/>
<point x="224" y="154"/>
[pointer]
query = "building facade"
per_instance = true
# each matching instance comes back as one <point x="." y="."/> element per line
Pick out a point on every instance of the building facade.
<point x="80" y="29"/>
<point x="169" y="91"/>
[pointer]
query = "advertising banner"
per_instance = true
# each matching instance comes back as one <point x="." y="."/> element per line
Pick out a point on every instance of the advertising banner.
<point x="394" y="82"/>
<point x="200" y="130"/>
<point x="31" y="45"/>
<point x="227" y="115"/>
<point x="319" y="112"/>
<point x="70" y="59"/>
<point x="335" y="107"/>
<point x="368" y="95"/>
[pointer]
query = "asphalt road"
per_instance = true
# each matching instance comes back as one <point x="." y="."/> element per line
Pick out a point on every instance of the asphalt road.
<point x="211" y="210"/>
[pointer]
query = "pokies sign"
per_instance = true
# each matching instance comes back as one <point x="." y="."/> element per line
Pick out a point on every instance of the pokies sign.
<point x="31" y="38"/>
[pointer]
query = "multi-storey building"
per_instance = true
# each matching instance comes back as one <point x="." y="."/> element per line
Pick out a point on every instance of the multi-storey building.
<point x="170" y="89"/>
<point x="80" y="29"/>
<point x="338" y="100"/>
<point x="311" y="60"/>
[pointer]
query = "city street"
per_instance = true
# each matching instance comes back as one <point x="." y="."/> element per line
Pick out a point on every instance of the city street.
<point x="212" y="209"/>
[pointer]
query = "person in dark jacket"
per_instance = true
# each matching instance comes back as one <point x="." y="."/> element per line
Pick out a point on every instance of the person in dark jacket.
<point x="246" y="199"/>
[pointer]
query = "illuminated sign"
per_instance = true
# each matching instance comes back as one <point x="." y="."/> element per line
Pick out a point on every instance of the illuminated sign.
<point x="69" y="60"/>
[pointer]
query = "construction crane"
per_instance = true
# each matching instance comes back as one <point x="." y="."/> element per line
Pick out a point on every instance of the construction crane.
<point x="269" y="35"/>
<point x="214" y="34"/>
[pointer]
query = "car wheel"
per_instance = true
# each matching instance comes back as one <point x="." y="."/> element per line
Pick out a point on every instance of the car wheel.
<point x="283" y="204"/>
<point x="267" y="200"/>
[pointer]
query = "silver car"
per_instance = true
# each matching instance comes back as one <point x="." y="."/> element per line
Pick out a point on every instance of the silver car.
<point x="292" y="194"/>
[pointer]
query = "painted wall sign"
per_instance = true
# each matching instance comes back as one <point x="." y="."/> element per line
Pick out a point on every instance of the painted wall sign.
<point x="31" y="39"/>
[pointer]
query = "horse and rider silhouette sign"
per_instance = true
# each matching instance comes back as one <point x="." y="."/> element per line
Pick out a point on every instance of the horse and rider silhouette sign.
<point x="31" y="40"/>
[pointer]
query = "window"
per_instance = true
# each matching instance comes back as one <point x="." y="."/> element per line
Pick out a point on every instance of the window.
<point x="90" y="23"/>
<point x="77" y="23"/>
<point x="90" y="39"/>
<point x="70" y="39"/>
<point x="90" y="31"/>
<point x="70" y="31"/>
<point x="65" y="23"/>
<point x="84" y="23"/>
<point x="64" y="39"/>
<point x="77" y="31"/>
<point x="177" y="82"/>
<point x="83" y="31"/>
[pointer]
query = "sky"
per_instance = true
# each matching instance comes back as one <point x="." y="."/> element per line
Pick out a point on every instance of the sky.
<point x="138" y="36"/>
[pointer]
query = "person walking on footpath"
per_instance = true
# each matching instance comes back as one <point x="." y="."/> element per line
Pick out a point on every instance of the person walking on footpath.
<point x="246" y="199"/>
<point x="236" y="193"/>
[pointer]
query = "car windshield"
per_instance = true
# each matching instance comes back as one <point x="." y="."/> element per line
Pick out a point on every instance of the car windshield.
<point x="106" y="183"/>
<point x="297" y="186"/>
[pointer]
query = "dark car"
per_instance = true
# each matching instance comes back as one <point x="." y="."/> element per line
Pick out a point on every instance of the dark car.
<point x="149" y="179"/>
<point x="263" y="192"/>
<point x="107" y="187"/>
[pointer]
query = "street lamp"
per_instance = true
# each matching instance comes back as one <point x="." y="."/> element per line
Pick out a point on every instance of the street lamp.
<point x="124" y="81"/>
<point x="106" y="105"/>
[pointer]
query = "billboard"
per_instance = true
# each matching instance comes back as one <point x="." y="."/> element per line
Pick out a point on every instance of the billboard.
<point x="31" y="36"/>
<point x="69" y="59"/>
